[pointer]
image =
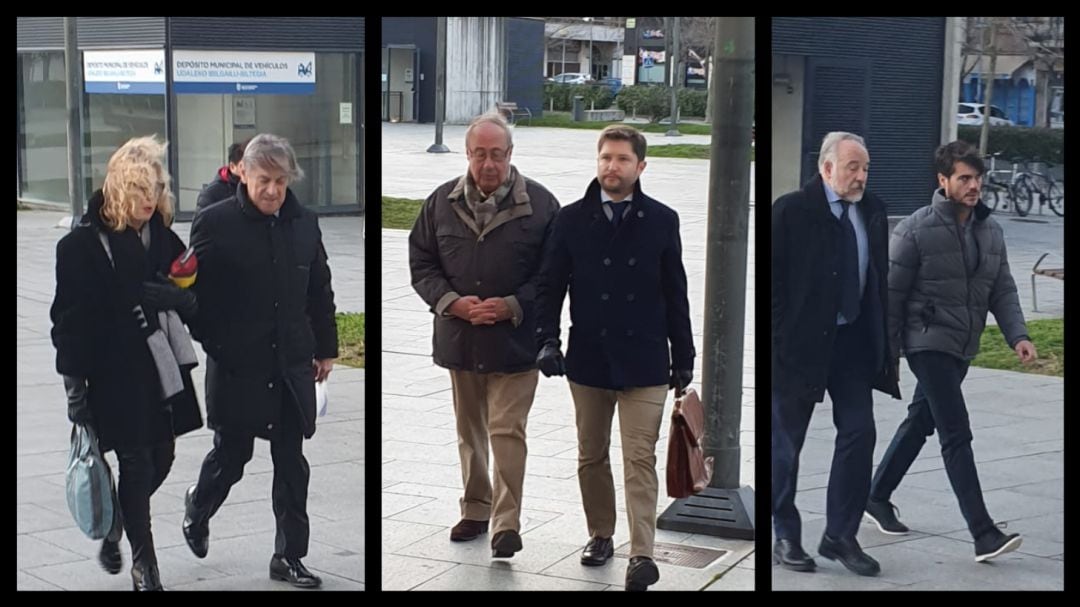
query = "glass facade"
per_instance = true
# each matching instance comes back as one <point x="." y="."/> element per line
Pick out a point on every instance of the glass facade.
<point x="322" y="128"/>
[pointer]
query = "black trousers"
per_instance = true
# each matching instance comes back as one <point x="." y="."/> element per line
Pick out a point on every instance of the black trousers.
<point x="142" y="470"/>
<point x="938" y="404"/>
<point x="853" y="415"/>
<point x="224" y="467"/>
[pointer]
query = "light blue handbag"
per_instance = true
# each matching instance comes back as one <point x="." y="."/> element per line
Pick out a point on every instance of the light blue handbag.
<point x="91" y="494"/>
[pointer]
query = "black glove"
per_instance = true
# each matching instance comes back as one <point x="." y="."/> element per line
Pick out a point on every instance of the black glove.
<point x="78" y="409"/>
<point x="160" y="295"/>
<point x="680" y="380"/>
<point x="550" y="359"/>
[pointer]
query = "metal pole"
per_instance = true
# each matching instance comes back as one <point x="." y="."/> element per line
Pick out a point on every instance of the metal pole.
<point x="725" y="508"/>
<point x="73" y="95"/>
<point x="440" y="86"/>
<point x="673" y="64"/>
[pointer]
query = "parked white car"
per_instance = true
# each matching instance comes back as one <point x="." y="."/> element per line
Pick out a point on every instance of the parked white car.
<point x="573" y="78"/>
<point x="973" y="113"/>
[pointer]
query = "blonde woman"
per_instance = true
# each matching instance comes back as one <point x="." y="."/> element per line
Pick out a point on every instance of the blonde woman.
<point x="111" y="312"/>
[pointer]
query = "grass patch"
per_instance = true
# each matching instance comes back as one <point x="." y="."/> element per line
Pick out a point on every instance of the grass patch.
<point x="399" y="213"/>
<point x="350" y="326"/>
<point x="1048" y="337"/>
<point x="563" y="120"/>
<point x="680" y="150"/>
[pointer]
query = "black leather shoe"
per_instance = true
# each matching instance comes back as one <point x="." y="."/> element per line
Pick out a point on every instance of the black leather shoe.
<point x="196" y="535"/>
<point x="884" y="515"/>
<point x="597" y="551"/>
<point x="789" y="554"/>
<point x="291" y="570"/>
<point x="144" y="576"/>
<point x="505" y="544"/>
<point x="109" y="557"/>
<point x="641" y="573"/>
<point x="467" y="530"/>
<point x="850" y="555"/>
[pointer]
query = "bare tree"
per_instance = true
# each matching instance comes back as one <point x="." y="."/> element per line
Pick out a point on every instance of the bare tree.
<point x="699" y="43"/>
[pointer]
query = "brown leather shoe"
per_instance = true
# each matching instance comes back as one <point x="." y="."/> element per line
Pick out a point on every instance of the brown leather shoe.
<point x="467" y="530"/>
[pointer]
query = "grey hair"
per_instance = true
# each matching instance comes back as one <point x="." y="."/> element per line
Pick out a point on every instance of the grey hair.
<point x="491" y="118"/>
<point x="269" y="151"/>
<point x="832" y="142"/>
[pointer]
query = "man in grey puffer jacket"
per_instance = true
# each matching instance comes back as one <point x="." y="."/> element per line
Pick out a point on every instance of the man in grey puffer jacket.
<point x="947" y="268"/>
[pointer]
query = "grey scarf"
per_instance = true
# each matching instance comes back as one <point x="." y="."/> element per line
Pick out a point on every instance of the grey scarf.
<point x="484" y="209"/>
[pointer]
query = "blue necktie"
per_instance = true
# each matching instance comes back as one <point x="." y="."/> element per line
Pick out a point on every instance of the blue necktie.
<point x="849" y="266"/>
<point x="617" y="209"/>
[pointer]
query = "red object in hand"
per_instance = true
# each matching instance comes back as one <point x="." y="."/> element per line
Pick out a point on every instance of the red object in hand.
<point x="184" y="268"/>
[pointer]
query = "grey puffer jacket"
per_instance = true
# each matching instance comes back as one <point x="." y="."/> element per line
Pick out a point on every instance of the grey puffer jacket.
<point x="935" y="303"/>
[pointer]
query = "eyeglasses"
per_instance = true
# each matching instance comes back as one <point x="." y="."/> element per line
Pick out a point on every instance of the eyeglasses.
<point x="482" y="155"/>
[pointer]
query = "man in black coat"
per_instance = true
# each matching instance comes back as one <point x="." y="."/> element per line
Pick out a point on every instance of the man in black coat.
<point x="224" y="183"/>
<point x="829" y="295"/>
<point x="618" y="252"/>
<point x="267" y="325"/>
<point x="474" y="256"/>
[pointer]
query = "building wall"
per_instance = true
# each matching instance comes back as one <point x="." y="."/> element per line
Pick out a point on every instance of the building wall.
<point x="475" y="66"/>
<point x="881" y="78"/>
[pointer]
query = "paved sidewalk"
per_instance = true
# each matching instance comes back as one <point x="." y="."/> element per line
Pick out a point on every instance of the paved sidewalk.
<point x="420" y="473"/>
<point x="53" y="554"/>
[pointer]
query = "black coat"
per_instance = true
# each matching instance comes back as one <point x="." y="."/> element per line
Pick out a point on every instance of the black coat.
<point x="266" y="311"/>
<point x="98" y="338"/>
<point x="806" y="295"/>
<point x="627" y="293"/>
<point x="221" y="187"/>
<point x="447" y="256"/>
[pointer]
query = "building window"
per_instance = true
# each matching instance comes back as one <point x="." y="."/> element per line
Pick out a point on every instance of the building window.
<point x="321" y="126"/>
<point x="43" y="149"/>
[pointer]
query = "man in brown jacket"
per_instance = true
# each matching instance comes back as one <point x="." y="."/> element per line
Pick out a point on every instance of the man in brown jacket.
<point x="474" y="254"/>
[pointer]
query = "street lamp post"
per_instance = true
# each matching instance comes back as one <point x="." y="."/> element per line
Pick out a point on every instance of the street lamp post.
<point x="589" y="21"/>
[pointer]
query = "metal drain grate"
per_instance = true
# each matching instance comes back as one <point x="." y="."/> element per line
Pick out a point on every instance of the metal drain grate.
<point x="680" y="556"/>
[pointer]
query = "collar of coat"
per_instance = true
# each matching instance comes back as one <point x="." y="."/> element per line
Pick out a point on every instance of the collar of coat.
<point x="521" y="207"/>
<point x="814" y="190"/>
<point x="592" y="201"/>
<point x="291" y="209"/>
<point x="947" y="208"/>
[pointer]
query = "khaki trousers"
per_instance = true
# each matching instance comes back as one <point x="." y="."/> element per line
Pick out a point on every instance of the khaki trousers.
<point x="493" y="407"/>
<point x="640" y="413"/>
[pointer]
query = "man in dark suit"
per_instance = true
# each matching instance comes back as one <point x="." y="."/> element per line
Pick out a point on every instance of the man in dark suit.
<point x="618" y="251"/>
<point x="266" y="322"/>
<point x="829" y="295"/>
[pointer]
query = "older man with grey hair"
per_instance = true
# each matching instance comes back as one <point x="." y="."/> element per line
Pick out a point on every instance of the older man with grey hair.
<point x="267" y="326"/>
<point x="474" y="253"/>
<point x="829" y="296"/>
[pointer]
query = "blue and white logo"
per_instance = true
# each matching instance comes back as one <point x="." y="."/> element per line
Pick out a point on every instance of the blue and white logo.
<point x="304" y="70"/>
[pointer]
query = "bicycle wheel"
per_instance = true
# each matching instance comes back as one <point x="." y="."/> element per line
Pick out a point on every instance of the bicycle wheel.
<point x="990" y="197"/>
<point x="1057" y="205"/>
<point x="1023" y="193"/>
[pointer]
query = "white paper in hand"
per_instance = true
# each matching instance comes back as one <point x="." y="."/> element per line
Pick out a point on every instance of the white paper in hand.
<point x="320" y="397"/>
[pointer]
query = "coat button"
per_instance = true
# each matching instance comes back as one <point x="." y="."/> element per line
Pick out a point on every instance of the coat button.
<point x="275" y="304"/>
<point x="274" y="346"/>
<point x="539" y="330"/>
<point x="481" y="239"/>
<point x="629" y="332"/>
<point x="270" y="385"/>
<point x="630" y="297"/>
<point x="603" y="332"/>
<point x="640" y="214"/>
<point x="480" y="366"/>
<point x="607" y="261"/>
<point x="269" y="426"/>
<point x="604" y="296"/>
<point x="632" y="261"/>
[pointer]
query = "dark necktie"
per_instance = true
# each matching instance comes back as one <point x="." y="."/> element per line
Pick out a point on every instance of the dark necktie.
<point x="617" y="209"/>
<point x="849" y="266"/>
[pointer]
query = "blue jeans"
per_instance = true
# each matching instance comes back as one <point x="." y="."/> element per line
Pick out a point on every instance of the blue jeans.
<point x="938" y="403"/>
